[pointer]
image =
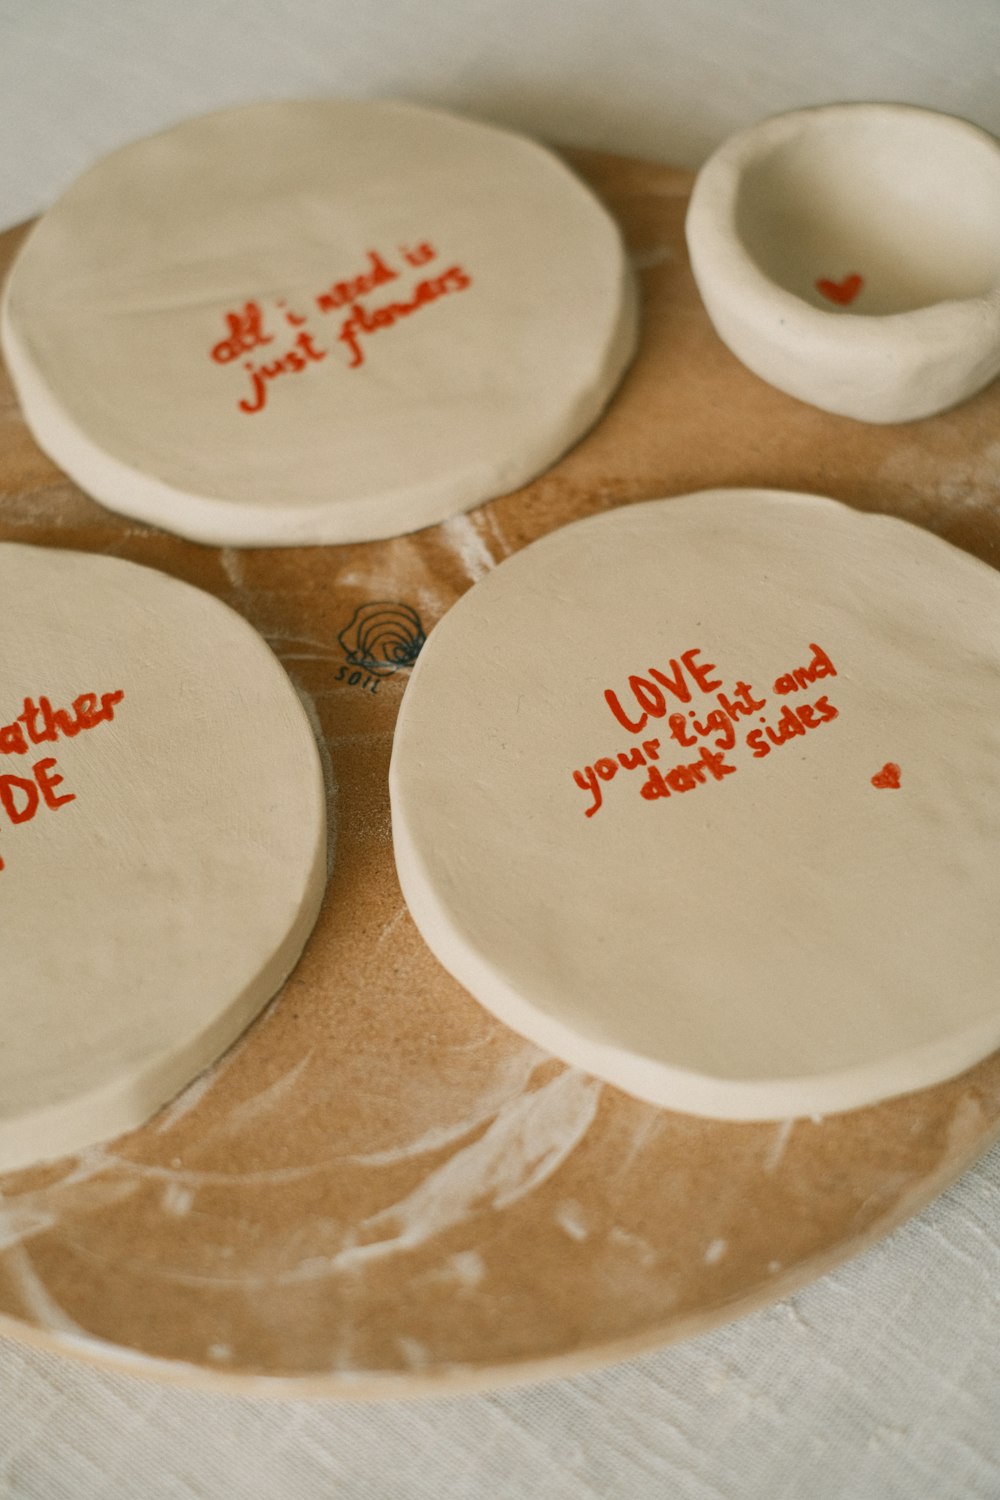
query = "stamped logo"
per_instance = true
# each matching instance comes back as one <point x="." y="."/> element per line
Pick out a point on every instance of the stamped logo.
<point x="382" y="638"/>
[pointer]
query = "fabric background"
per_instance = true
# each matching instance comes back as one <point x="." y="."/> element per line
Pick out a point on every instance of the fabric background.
<point x="883" y="1379"/>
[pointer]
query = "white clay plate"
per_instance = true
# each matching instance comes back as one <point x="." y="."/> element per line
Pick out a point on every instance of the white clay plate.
<point x="703" y="795"/>
<point x="317" y="321"/>
<point x="162" y="837"/>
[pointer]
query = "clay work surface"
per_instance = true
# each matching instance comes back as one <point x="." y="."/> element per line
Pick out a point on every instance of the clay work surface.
<point x="380" y="1190"/>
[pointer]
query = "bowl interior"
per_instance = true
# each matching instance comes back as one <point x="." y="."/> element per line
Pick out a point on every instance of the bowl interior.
<point x="875" y="210"/>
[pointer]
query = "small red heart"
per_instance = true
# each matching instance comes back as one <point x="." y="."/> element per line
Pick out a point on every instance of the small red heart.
<point x="887" y="777"/>
<point x="842" y="292"/>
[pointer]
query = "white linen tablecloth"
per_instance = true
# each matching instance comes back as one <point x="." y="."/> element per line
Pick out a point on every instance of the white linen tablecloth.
<point x="880" y="1382"/>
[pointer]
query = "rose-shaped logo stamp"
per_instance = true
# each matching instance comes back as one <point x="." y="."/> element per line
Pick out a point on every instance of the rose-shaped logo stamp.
<point x="382" y="637"/>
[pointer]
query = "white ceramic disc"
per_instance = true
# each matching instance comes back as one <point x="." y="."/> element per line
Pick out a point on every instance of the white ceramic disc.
<point x="704" y="796"/>
<point x="162" y="837"/>
<point x="317" y="321"/>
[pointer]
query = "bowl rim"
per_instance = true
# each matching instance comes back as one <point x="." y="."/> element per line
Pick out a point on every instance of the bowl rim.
<point x="713" y="236"/>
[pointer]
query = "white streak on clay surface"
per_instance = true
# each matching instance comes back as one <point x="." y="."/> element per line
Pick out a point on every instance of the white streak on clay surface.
<point x="529" y="1140"/>
<point x="37" y="1300"/>
<point x="468" y="545"/>
<point x="510" y="1078"/>
<point x="570" y="1218"/>
<point x="414" y="1353"/>
<point x="648" y="1128"/>
<point x="87" y="1188"/>
<point x="933" y="494"/>
<point x="777" y="1148"/>
<point x="635" y="1243"/>
<point x="468" y="1267"/>
<point x="273" y="1097"/>
<point x="177" y="1200"/>
<point x="21" y="1221"/>
<point x="232" y="565"/>
<point x="187" y="1101"/>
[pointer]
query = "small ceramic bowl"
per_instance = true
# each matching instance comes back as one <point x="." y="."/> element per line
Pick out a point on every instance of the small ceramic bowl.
<point x="850" y="255"/>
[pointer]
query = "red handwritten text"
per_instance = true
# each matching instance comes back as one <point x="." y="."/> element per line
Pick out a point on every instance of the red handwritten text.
<point x="793" y="722"/>
<point x="246" y="332"/>
<point x="250" y="326"/>
<point x="606" y="768"/>
<point x="714" y="729"/>
<point x="648" y="691"/>
<point x="361" y="321"/>
<point x="803" y="677"/>
<point x="38" y="724"/>
<point x="292" y="363"/>
<point x="343" y="292"/>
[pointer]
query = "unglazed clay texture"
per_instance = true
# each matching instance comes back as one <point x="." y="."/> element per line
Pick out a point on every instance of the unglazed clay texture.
<point x="317" y="322"/>
<point x="704" y="796"/>
<point x="380" y="1190"/>
<point x="162" y="842"/>
<point x="848" y="255"/>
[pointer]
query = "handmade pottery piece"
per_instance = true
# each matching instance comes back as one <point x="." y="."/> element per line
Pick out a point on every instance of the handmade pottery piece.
<point x="703" y="795"/>
<point x="317" y="321"/>
<point x="162" y="842"/>
<point x="850" y="255"/>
